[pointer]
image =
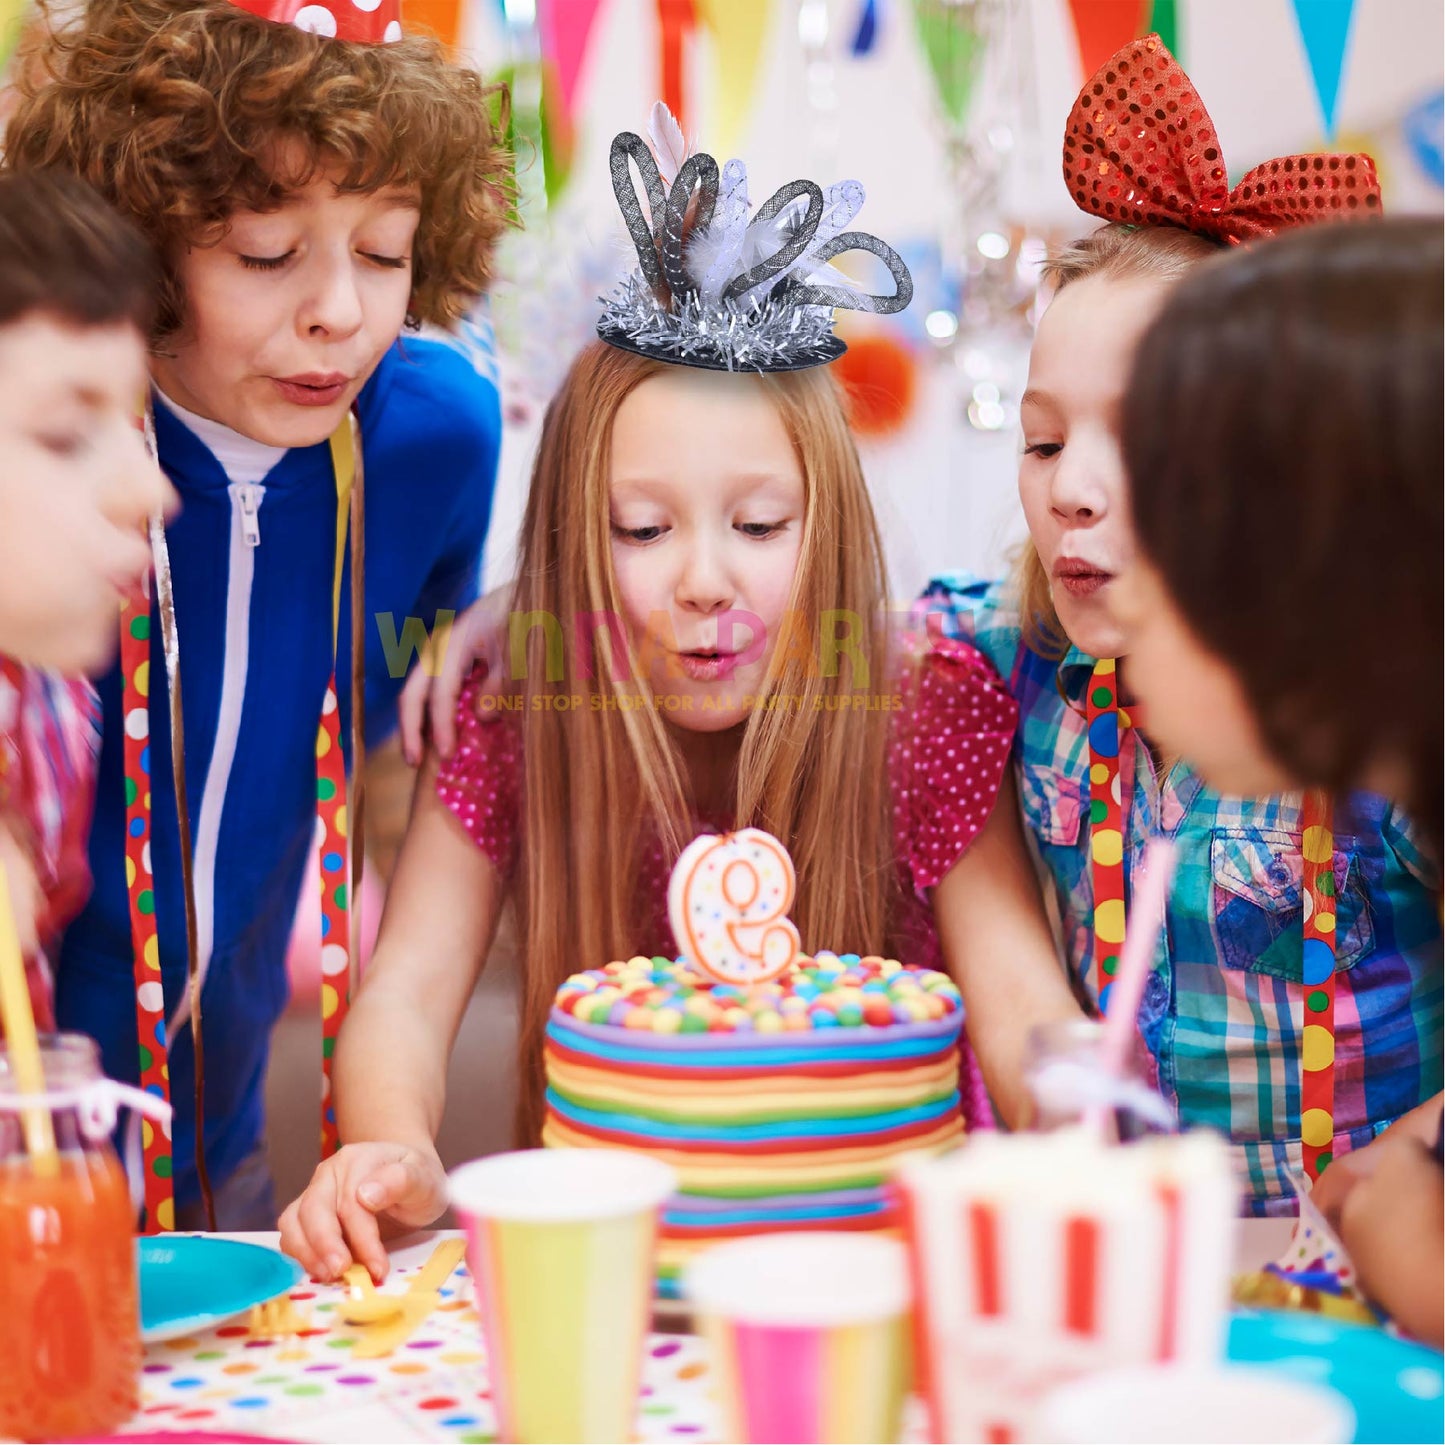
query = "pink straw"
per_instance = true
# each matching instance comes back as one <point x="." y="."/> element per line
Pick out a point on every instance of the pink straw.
<point x="1145" y="923"/>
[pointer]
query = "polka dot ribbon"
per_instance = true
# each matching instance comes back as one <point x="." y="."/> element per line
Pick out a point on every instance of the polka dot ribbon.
<point x="1106" y="826"/>
<point x="340" y="867"/>
<point x="1140" y="148"/>
<point x="1317" y="1084"/>
<point x="150" y="1001"/>
<point x="1106" y="846"/>
<point x="340" y="862"/>
<point x="151" y="1028"/>
<point x="335" y="941"/>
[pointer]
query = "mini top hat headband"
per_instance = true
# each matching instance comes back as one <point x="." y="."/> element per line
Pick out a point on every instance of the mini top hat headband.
<point x="1140" y="148"/>
<point x="368" y="22"/>
<point x="724" y="288"/>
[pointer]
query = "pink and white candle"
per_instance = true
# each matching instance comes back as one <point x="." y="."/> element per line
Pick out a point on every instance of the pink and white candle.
<point x="728" y="901"/>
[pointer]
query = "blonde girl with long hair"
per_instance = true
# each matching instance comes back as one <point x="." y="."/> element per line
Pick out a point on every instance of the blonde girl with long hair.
<point x="664" y="502"/>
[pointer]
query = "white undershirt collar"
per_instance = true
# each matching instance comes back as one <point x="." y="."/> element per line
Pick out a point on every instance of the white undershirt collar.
<point x="242" y="458"/>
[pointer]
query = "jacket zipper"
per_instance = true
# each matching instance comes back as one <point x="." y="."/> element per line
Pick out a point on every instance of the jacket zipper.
<point x="246" y="499"/>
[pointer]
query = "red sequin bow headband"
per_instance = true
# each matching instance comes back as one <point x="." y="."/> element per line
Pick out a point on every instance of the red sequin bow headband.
<point x="1140" y="148"/>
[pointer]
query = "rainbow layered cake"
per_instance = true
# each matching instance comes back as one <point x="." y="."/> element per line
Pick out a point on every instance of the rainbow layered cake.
<point x="782" y="1105"/>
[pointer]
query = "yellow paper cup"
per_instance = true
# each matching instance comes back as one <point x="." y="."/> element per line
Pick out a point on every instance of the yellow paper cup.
<point x="561" y="1244"/>
<point x="809" y="1335"/>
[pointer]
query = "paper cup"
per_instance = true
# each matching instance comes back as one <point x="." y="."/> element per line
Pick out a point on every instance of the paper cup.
<point x="1040" y="1258"/>
<point x="561" y="1244"/>
<point x="1232" y="1405"/>
<point x="808" y="1333"/>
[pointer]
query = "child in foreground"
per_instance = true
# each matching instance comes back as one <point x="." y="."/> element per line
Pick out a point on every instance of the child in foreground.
<point x="1324" y="427"/>
<point x="76" y="487"/>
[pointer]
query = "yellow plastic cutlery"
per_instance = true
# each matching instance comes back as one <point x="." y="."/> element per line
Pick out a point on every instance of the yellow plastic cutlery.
<point x="389" y="1319"/>
<point x="365" y="1305"/>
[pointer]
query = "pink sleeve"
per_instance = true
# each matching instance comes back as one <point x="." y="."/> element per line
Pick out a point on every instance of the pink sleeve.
<point x="948" y="759"/>
<point x="482" y="783"/>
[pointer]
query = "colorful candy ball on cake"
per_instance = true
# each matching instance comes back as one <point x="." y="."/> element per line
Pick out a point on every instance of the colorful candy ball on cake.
<point x="691" y="1003"/>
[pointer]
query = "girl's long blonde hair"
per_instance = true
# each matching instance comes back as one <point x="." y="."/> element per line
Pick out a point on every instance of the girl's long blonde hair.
<point x="1166" y="253"/>
<point x="599" y="785"/>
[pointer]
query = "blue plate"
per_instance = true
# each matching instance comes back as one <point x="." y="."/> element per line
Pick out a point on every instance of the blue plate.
<point x="1396" y="1387"/>
<point x="190" y="1282"/>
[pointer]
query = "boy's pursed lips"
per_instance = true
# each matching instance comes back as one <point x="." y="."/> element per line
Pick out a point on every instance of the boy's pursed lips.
<point x="312" y="388"/>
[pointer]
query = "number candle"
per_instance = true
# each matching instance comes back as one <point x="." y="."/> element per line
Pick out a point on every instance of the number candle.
<point x="728" y="903"/>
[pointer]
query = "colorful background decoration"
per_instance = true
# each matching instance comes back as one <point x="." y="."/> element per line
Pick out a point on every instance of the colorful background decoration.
<point x="953" y="39"/>
<point x="738" y="30"/>
<point x="950" y="111"/>
<point x="879" y="373"/>
<point x="566" y="26"/>
<point x="676" y="21"/>
<point x="1103" y="26"/>
<point x="1423" y="127"/>
<point x="866" y="33"/>
<point x="442" y="18"/>
<point x="12" y="19"/>
<point x="1324" y="26"/>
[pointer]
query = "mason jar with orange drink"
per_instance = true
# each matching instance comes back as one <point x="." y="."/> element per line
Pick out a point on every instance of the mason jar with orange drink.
<point x="69" y="1315"/>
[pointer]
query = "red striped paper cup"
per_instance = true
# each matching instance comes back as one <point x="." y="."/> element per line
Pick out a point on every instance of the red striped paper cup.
<point x="1038" y="1258"/>
<point x="809" y="1336"/>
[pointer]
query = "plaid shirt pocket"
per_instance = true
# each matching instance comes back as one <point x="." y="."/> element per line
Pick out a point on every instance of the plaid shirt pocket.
<point x="1258" y="914"/>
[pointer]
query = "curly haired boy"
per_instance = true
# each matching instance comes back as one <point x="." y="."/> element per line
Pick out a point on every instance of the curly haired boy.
<point x="322" y="209"/>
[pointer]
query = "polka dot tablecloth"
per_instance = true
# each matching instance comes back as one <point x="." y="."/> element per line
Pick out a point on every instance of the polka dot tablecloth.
<point x="433" y="1388"/>
<point x="223" y="1382"/>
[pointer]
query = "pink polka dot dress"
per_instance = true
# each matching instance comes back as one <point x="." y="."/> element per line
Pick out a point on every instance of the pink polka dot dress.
<point x="947" y="754"/>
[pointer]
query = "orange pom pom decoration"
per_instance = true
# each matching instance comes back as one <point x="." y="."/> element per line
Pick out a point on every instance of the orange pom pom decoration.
<point x="879" y="375"/>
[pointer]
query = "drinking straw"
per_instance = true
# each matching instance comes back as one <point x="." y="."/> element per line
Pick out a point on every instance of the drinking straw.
<point x="1136" y="958"/>
<point x="21" y="1042"/>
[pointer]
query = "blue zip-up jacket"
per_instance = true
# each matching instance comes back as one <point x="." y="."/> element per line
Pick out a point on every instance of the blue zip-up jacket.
<point x="252" y="568"/>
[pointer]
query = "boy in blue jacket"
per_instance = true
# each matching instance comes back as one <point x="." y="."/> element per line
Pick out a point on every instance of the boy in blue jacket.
<point x="316" y="199"/>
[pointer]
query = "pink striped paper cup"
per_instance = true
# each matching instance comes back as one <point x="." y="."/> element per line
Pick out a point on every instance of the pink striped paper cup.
<point x="562" y="1248"/>
<point x="809" y="1336"/>
<point x="1039" y="1258"/>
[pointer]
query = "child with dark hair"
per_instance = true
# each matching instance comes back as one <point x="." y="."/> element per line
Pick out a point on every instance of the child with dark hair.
<point x="1283" y="431"/>
<point x="76" y="298"/>
<point x="1320" y="422"/>
<point x="325" y="193"/>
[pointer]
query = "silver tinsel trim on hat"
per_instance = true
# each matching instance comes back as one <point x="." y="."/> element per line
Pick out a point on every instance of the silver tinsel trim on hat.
<point x="725" y="336"/>
<point x="721" y="287"/>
